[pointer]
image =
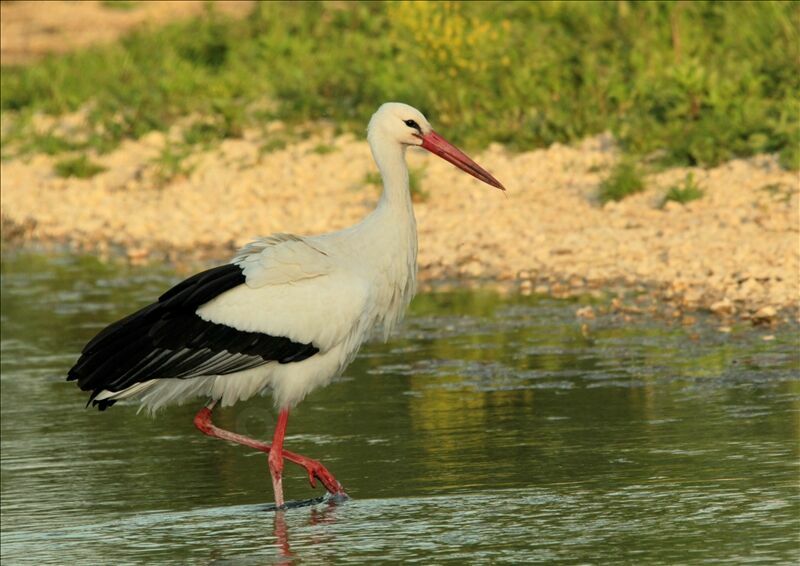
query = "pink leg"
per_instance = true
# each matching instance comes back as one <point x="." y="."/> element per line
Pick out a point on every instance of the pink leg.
<point x="275" y="457"/>
<point x="314" y="468"/>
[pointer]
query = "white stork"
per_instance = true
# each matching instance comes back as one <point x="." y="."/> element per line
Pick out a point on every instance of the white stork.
<point x="288" y="314"/>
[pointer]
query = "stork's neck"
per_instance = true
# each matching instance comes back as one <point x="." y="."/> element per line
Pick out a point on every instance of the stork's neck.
<point x="393" y="232"/>
<point x="391" y="160"/>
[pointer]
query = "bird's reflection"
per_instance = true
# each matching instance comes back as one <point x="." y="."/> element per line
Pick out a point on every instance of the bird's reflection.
<point x="317" y="516"/>
<point x="281" y="532"/>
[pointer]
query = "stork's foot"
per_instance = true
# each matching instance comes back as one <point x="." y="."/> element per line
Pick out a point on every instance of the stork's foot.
<point x="316" y="471"/>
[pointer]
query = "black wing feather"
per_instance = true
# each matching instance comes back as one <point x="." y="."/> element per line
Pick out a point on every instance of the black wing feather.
<point x="168" y="340"/>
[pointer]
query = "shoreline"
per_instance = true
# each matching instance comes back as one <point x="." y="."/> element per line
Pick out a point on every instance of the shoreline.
<point x="627" y="300"/>
<point x="735" y="252"/>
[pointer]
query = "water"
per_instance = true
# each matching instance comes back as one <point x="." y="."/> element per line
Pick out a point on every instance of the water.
<point x="487" y="430"/>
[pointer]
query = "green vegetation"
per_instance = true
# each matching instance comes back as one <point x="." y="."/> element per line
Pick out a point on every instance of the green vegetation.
<point x="790" y="156"/>
<point x="277" y="140"/>
<point x="171" y="163"/>
<point x="204" y="134"/>
<point x="697" y="82"/>
<point x="323" y="149"/>
<point x="373" y="178"/>
<point x="80" y="167"/>
<point x="624" y="179"/>
<point x="779" y="191"/>
<point x="121" y="5"/>
<point x="52" y="144"/>
<point x="684" y="193"/>
<point x="415" y="177"/>
<point x="272" y="144"/>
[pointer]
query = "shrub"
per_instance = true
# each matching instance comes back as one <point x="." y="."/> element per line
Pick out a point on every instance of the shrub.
<point x="80" y="167"/>
<point x="623" y="180"/>
<point x="684" y="193"/>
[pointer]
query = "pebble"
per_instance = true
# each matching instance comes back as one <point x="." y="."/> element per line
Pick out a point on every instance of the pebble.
<point x="723" y="307"/>
<point x="764" y="315"/>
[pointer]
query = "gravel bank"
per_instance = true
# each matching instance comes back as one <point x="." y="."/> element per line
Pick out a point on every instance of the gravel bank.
<point x="736" y="251"/>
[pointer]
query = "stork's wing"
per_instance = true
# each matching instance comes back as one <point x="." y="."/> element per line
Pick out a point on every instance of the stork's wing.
<point x="293" y="288"/>
<point x="283" y="300"/>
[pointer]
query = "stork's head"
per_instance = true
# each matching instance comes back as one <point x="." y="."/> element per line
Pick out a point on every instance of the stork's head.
<point x="399" y="122"/>
<point x="405" y="125"/>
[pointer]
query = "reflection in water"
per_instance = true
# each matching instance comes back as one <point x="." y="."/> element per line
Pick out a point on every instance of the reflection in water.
<point x="322" y="512"/>
<point x="282" y="535"/>
<point x="488" y="430"/>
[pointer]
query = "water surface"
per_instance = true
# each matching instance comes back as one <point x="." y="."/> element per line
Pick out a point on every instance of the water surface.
<point x="488" y="429"/>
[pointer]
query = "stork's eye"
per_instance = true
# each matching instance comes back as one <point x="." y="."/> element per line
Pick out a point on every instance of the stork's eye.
<point x="413" y="124"/>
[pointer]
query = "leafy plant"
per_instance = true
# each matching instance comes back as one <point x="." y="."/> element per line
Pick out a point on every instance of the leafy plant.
<point x="684" y="193"/>
<point x="80" y="167"/>
<point x="624" y="180"/>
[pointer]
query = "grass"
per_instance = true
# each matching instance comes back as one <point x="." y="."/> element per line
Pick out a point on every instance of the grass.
<point x="80" y="167"/>
<point x="697" y="83"/>
<point x="683" y="193"/>
<point x="624" y="180"/>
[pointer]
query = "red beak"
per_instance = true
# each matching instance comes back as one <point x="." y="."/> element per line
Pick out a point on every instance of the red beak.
<point x="435" y="143"/>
